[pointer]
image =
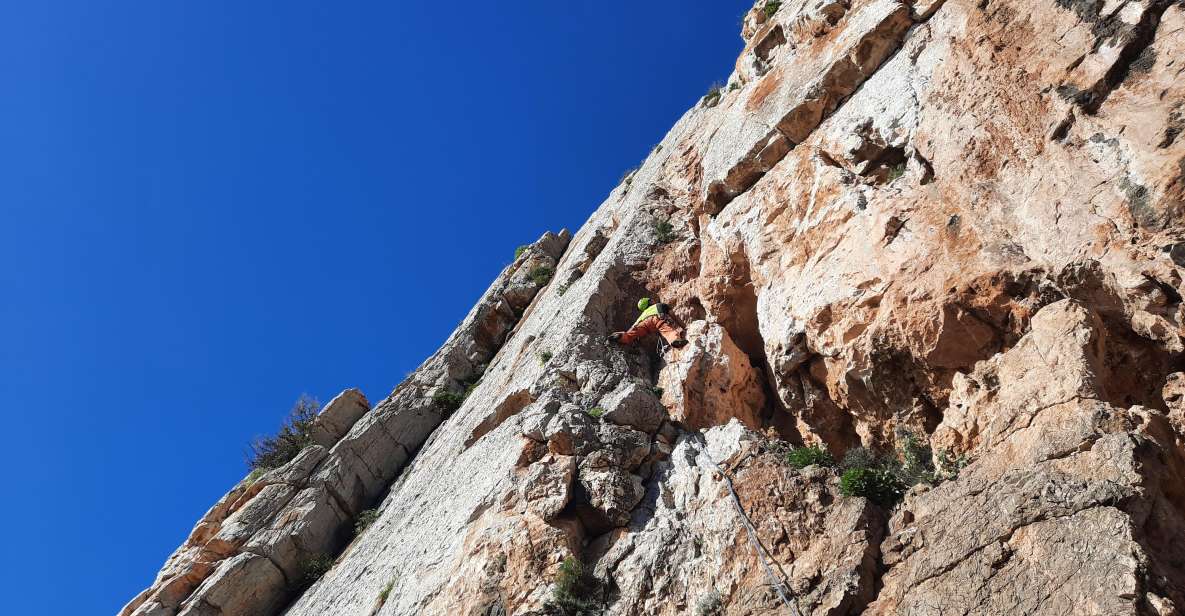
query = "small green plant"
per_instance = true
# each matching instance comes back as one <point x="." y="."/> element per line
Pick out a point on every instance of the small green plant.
<point x="896" y="171"/>
<point x="268" y="452"/>
<point x="596" y="411"/>
<point x="576" y="591"/>
<point x="664" y="231"/>
<point x="255" y="474"/>
<point x="314" y="568"/>
<point x="858" y="457"/>
<point x="385" y="594"/>
<point x="877" y="484"/>
<point x="563" y="288"/>
<point x="448" y="401"/>
<point x="950" y="465"/>
<point x="518" y="252"/>
<point x="802" y="457"/>
<point x="656" y="390"/>
<point x="715" y="91"/>
<point x="364" y="520"/>
<point x="540" y="274"/>
<point x="772" y="7"/>
<point x="734" y="86"/>
<point x="544" y="357"/>
<point x="710" y="604"/>
<point x="917" y="460"/>
<point x="627" y="177"/>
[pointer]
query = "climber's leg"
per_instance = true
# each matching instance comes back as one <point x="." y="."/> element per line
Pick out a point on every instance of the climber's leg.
<point x="672" y="333"/>
<point x="641" y="329"/>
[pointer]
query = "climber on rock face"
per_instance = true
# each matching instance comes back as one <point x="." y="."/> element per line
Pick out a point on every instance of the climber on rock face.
<point x="655" y="317"/>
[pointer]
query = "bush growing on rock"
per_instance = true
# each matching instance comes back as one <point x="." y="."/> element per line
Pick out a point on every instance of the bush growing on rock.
<point x="664" y="231"/>
<point x="544" y="357"/>
<point x="772" y="7"/>
<point x="518" y="252"/>
<point x="802" y="457"/>
<point x="364" y="520"/>
<point x="448" y="401"/>
<point x="577" y="592"/>
<point x="314" y="568"/>
<point x="540" y="274"/>
<point x="710" y="605"/>
<point x="877" y="484"/>
<point x="596" y="411"/>
<point x="715" y="91"/>
<point x="268" y="452"/>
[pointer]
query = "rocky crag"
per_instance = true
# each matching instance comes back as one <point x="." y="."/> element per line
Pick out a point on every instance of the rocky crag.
<point x="901" y="226"/>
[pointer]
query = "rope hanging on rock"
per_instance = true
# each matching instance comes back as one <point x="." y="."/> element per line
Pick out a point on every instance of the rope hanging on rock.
<point x="751" y="532"/>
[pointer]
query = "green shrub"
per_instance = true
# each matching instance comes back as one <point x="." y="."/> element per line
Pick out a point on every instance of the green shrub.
<point x="314" y="568"/>
<point x="596" y="411"/>
<point x="710" y="605"/>
<point x="664" y="231"/>
<point x="802" y="457"/>
<point x="772" y="7"/>
<point x="896" y="171"/>
<point x="877" y="484"/>
<point x="734" y="86"/>
<point x="448" y="401"/>
<point x="715" y="91"/>
<point x="656" y="390"/>
<point x="518" y="252"/>
<point x="563" y="288"/>
<point x="917" y="461"/>
<point x="544" y="357"/>
<point x="949" y="466"/>
<point x="576" y="591"/>
<point x="858" y="457"/>
<point x="255" y="474"/>
<point x="540" y="274"/>
<point x="268" y="452"/>
<point x="364" y="520"/>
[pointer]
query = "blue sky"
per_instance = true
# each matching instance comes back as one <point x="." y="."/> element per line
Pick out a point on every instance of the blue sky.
<point x="209" y="208"/>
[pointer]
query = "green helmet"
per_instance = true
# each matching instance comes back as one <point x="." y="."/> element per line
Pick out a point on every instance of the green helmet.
<point x="644" y="303"/>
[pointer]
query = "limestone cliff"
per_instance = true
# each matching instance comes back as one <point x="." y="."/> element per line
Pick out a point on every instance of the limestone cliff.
<point x="949" y="227"/>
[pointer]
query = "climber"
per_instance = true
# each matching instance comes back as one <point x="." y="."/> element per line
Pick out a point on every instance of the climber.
<point x="655" y="317"/>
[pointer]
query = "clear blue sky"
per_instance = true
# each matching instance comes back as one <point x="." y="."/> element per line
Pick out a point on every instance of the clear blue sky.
<point x="208" y="208"/>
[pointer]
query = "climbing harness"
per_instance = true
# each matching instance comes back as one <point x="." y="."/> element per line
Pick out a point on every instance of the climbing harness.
<point x="762" y="554"/>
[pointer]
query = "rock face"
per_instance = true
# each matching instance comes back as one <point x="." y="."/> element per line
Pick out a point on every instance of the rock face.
<point x="951" y="227"/>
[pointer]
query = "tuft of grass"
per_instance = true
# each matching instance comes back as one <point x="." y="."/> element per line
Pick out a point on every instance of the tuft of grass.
<point x="885" y="479"/>
<point x="596" y="411"/>
<point x="544" y="357"/>
<point x="364" y="520"/>
<point x="656" y="390"/>
<point x="576" y="591"/>
<point x="563" y="288"/>
<point x="385" y="594"/>
<point x="540" y="274"/>
<point x="255" y="474"/>
<point x="314" y="568"/>
<point x="896" y="171"/>
<point x="663" y="230"/>
<point x="710" y="604"/>
<point x="268" y="452"/>
<point x="802" y="457"/>
<point x="772" y="7"/>
<point x="734" y="86"/>
<point x="518" y="252"/>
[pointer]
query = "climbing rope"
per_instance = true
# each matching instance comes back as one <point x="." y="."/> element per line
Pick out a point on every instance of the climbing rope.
<point x="762" y="554"/>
